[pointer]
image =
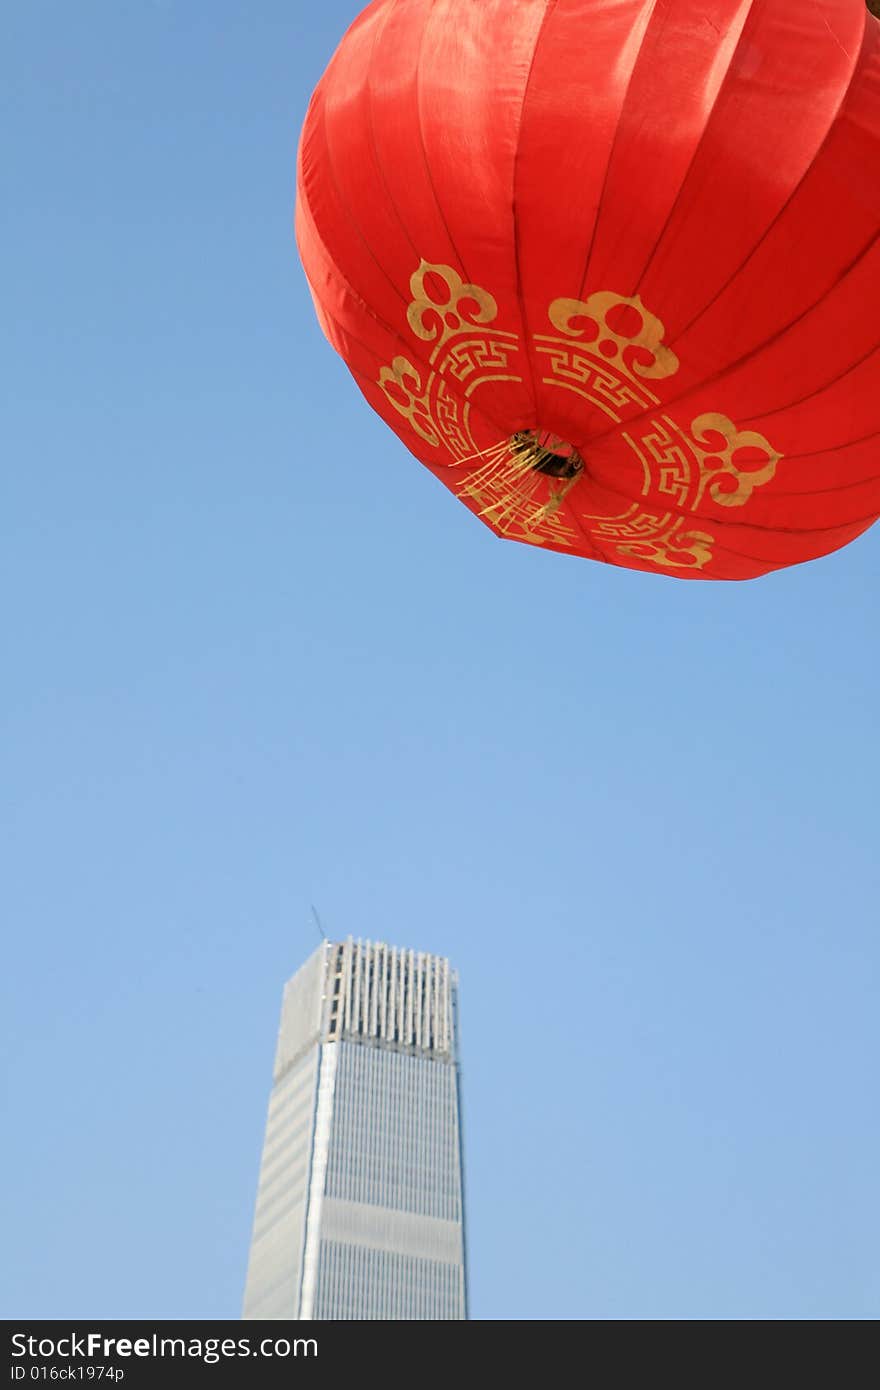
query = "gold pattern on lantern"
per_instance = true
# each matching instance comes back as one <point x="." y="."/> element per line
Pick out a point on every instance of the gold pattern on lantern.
<point x="607" y="349"/>
<point x="684" y="465"/>
<point x="658" y="540"/>
<point x="728" y="484"/>
<point x="625" y="350"/>
<point x="458" y="307"/>
<point x="466" y="354"/>
<point x="402" y="385"/>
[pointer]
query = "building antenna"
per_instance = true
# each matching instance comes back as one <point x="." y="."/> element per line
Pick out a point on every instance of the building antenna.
<point x="318" y="923"/>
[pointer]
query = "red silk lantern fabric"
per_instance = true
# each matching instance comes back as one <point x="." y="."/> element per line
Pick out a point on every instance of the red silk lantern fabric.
<point x="611" y="268"/>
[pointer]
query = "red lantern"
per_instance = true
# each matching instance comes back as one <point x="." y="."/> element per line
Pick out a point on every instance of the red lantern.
<point x="611" y="268"/>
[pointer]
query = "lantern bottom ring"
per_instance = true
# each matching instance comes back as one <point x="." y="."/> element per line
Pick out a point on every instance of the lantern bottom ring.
<point x="543" y="452"/>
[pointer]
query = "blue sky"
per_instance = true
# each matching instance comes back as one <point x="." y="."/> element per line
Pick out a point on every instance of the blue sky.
<point x="255" y="658"/>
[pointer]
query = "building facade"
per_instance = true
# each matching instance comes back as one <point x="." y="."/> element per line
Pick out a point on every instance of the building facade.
<point x="360" y="1205"/>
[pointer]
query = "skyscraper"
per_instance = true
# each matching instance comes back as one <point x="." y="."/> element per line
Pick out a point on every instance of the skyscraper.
<point x="360" y="1204"/>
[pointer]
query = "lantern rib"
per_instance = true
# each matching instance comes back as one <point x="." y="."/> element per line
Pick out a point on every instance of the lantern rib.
<point x="838" y="487"/>
<point x="826" y="386"/>
<point x="347" y="210"/>
<point x="725" y="524"/>
<point x="413" y="349"/>
<point x="517" y="164"/>
<point x="393" y="333"/>
<point x="754" y="352"/>
<point x="836" y="449"/>
<point x="591" y="541"/>
<point x="699" y="145"/>
<point x="421" y="131"/>
<point x="370" y="382"/>
<point x="371" y="129"/>
<point x="832" y="125"/>
<point x="719" y="545"/>
<point x="611" y="150"/>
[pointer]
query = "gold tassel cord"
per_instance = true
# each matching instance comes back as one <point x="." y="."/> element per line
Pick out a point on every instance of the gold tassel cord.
<point x="506" y="485"/>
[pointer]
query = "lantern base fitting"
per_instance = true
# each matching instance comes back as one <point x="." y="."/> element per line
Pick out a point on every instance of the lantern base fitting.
<point x="543" y="452"/>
